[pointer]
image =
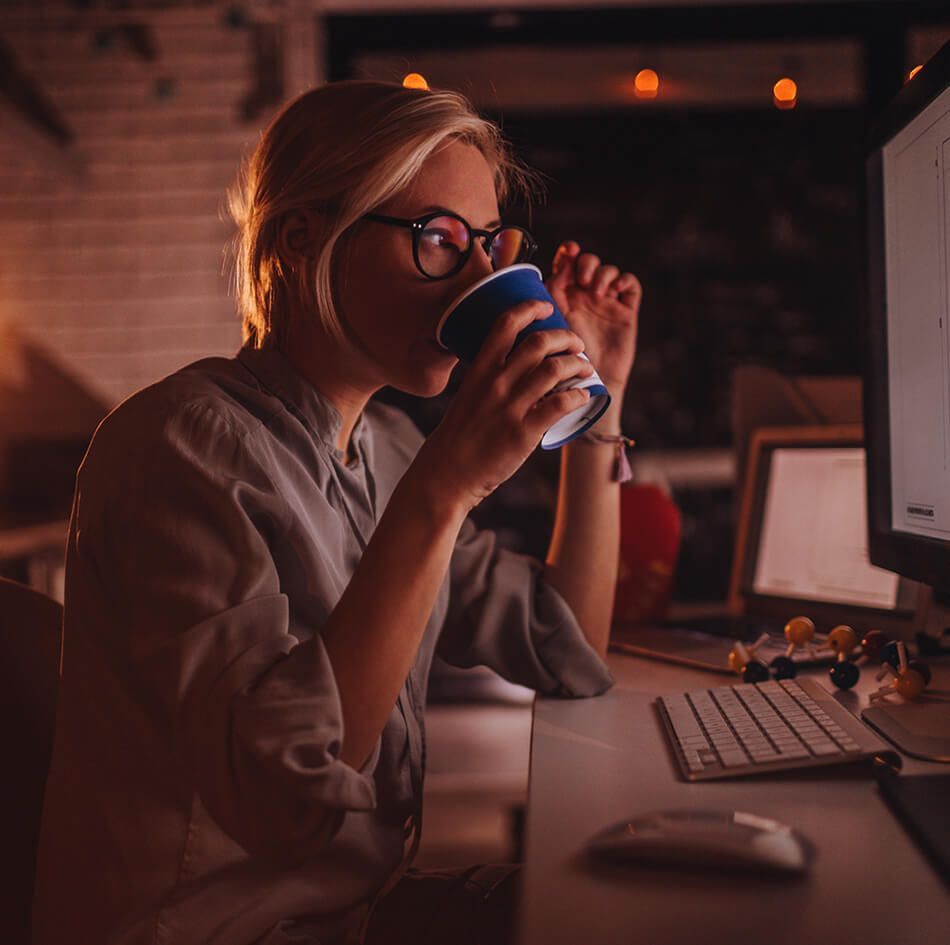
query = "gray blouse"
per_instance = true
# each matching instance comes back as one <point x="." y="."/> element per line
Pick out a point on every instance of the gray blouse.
<point x="196" y="793"/>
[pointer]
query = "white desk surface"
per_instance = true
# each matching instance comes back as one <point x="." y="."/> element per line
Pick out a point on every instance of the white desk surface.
<point x="598" y="761"/>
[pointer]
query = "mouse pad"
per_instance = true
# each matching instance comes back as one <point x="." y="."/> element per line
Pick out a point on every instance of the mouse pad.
<point x="920" y="728"/>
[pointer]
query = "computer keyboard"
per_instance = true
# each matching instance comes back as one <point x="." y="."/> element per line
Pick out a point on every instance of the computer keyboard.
<point x="731" y="731"/>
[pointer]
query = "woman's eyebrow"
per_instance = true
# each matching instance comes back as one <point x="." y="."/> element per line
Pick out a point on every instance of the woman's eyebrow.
<point x="436" y="206"/>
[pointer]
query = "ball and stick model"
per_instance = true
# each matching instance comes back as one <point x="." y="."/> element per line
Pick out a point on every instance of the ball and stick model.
<point x="908" y="680"/>
<point x="843" y="641"/>
<point x="799" y="632"/>
<point x="872" y="646"/>
<point x="742" y="661"/>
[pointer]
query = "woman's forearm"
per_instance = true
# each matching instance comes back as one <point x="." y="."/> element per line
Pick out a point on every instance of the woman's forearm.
<point x="374" y="632"/>
<point x="583" y="556"/>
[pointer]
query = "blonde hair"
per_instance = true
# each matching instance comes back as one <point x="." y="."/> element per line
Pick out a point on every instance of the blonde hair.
<point x="342" y="149"/>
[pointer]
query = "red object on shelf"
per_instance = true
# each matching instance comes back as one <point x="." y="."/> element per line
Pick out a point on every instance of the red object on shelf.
<point x="650" y="531"/>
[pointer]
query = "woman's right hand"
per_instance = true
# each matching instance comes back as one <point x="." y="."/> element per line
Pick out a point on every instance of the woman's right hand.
<point x="503" y="407"/>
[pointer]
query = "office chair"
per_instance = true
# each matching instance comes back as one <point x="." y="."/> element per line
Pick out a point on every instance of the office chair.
<point x="30" y="639"/>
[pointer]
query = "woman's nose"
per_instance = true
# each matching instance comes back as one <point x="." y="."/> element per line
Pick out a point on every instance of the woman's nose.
<point x="479" y="263"/>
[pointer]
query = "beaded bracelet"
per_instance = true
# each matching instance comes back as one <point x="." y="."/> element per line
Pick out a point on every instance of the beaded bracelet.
<point x="622" y="471"/>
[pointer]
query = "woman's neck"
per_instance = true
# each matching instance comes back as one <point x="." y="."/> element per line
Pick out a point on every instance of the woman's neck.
<point x="329" y="370"/>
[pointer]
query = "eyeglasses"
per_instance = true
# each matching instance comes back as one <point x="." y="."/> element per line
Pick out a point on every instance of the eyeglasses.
<point x="442" y="241"/>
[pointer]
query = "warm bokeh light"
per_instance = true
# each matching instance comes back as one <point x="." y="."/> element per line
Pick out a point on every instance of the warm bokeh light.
<point x="913" y="72"/>
<point x="785" y="93"/>
<point x="415" y="81"/>
<point x="646" y="83"/>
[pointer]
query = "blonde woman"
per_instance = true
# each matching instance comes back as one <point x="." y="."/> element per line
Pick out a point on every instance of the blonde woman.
<point x="262" y="560"/>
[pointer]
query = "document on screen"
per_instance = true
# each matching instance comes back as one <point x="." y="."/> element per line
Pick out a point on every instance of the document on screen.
<point x="813" y="543"/>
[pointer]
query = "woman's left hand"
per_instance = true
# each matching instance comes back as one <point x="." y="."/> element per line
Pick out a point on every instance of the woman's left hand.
<point x="601" y="305"/>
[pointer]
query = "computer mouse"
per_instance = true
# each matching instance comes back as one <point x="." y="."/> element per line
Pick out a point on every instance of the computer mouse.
<point x="705" y="838"/>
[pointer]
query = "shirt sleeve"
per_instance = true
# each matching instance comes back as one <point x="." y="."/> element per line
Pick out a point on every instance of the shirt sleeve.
<point x="170" y="565"/>
<point x="504" y="614"/>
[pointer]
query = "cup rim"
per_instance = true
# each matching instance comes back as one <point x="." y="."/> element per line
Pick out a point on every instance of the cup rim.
<point x="477" y="285"/>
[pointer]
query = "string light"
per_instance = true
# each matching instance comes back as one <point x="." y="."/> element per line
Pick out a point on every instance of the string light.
<point x="913" y="72"/>
<point x="785" y="93"/>
<point x="646" y="84"/>
<point x="415" y="81"/>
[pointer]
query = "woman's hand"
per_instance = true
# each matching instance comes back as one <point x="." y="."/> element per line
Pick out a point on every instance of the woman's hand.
<point x="502" y="407"/>
<point x="601" y="305"/>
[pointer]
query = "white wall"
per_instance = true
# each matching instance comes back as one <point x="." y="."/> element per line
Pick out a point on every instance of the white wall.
<point x="111" y="251"/>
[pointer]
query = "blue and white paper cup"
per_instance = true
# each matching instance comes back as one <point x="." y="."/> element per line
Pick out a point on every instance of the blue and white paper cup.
<point x="468" y="320"/>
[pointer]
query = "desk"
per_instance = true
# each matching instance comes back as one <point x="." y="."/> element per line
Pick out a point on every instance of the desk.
<point x="595" y="762"/>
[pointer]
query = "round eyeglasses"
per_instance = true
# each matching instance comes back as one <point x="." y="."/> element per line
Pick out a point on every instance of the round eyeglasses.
<point x="442" y="241"/>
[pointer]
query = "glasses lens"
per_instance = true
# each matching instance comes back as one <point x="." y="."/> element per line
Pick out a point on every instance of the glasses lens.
<point x="510" y="246"/>
<point x="441" y="244"/>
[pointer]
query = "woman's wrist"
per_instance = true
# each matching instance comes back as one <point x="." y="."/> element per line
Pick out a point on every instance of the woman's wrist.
<point x="609" y="422"/>
<point x="432" y="490"/>
<point x="607" y="440"/>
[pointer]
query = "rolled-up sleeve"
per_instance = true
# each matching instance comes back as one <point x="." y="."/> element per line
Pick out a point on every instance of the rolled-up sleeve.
<point x="173" y="525"/>
<point x="504" y="614"/>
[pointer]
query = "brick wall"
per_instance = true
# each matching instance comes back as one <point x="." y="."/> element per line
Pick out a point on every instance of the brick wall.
<point x="111" y="249"/>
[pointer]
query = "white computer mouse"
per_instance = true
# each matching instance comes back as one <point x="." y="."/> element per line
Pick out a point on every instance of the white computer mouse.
<point x="705" y="838"/>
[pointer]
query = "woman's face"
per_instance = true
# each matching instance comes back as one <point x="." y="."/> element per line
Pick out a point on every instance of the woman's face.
<point x="392" y="308"/>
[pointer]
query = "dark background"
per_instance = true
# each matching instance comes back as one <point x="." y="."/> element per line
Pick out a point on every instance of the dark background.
<point x="744" y="226"/>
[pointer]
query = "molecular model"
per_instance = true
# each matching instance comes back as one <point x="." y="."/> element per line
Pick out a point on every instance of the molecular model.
<point x="843" y="641"/>
<point x="742" y="661"/>
<point x="908" y="679"/>
<point x="799" y="632"/>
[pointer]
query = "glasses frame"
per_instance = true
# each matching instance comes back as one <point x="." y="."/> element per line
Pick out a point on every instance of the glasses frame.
<point x="486" y="237"/>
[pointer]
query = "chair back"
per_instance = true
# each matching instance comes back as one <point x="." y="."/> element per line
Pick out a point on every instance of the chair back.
<point x="30" y="641"/>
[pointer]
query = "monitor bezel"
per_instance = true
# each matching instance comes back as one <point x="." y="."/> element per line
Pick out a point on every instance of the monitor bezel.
<point x="914" y="556"/>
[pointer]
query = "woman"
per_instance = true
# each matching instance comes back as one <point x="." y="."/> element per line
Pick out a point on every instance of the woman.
<point x="262" y="561"/>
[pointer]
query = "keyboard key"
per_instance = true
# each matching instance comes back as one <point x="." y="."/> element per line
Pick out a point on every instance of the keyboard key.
<point x="793" y="751"/>
<point x="732" y="759"/>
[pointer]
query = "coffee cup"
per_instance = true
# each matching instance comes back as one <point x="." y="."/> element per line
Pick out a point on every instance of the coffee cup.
<point x="467" y="321"/>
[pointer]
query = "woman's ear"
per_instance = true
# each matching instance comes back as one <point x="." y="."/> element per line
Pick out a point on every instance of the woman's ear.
<point x="296" y="237"/>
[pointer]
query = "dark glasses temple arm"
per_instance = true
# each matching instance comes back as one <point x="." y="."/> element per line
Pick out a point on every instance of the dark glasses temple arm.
<point x="382" y="218"/>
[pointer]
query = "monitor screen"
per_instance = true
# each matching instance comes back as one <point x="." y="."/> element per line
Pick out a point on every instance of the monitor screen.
<point x="908" y="372"/>
<point x="916" y="221"/>
<point x="813" y="541"/>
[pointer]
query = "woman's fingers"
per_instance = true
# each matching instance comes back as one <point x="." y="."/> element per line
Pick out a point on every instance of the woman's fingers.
<point x="546" y="377"/>
<point x="549" y="410"/>
<point x="602" y="279"/>
<point x="539" y="345"/>
<point x="587" y="264"/>
<point x="501" y="338"/>
<point x="588" y="273"/>
<point x="629" y="290"/>
<point x="561" y="265"/>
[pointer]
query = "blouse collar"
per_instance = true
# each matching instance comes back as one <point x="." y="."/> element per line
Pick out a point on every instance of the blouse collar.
<point x="279" y="377"/>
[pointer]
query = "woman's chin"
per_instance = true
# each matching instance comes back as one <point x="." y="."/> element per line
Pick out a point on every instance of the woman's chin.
<point x="428" y="376"/>
<point x="430" y="384"/>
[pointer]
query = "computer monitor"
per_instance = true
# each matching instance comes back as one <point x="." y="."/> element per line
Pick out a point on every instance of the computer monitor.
<point x="907" y="369"/>
<point x="801" y="545"/>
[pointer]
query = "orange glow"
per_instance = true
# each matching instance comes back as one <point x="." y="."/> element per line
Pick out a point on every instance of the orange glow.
<point x="646" y="84"/>
<point x="415" y="81"/>
<point x="785" y="93"/>
<point x="913" y="72"/>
